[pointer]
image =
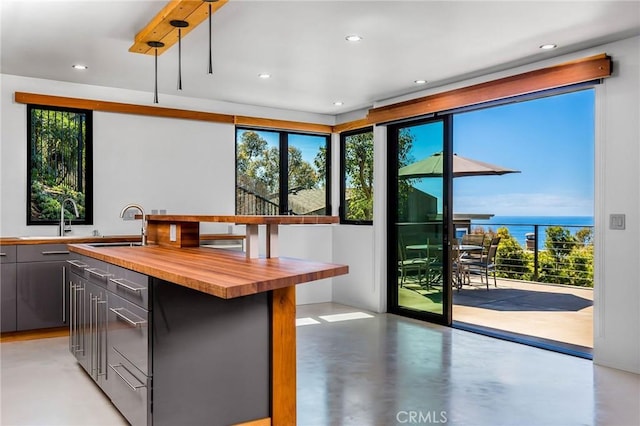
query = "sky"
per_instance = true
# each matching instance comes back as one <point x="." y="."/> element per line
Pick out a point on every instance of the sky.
<point x="550" y="140"/>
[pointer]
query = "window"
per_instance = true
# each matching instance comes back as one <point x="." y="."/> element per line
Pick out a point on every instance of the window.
<point x="59" y="163"/>
<point x="263" y="157"/>
<point x="356" y="176"/>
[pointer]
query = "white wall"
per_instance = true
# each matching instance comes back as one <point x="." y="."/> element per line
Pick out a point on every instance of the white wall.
<point x="183" y="166"/>
<point x="617" y="253"/>
<point x="617" y="291"/>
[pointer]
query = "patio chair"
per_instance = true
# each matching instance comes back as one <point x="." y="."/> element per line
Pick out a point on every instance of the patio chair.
<point x="458" y="268"/>
<point x="486" y="264"/>
<point x="474" y="240"/>
<point x="407" y="264"/>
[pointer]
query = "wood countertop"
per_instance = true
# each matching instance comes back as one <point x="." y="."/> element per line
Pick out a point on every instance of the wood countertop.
<point x="8" y="241"/>
<point x="221" y="273"/>
<point x="246" y="219"/>
<point x="67" y="240"/>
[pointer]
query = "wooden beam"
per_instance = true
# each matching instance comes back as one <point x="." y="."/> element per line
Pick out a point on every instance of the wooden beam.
<point x="97" y="105"/>
<point x="283" y="124"/>
<point x="283" y="357"/>
<point x="351" y="125"/>
<point x="94" y="105"/>
<point x="579" y="71"/>
<point x="160" y="29"/>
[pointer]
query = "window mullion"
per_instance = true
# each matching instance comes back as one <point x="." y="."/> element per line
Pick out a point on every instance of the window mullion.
<point x="284" y="173"/>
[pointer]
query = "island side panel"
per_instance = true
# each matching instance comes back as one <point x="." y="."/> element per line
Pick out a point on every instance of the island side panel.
<point x="283" y="306"/>
<point x="211" y="357"/>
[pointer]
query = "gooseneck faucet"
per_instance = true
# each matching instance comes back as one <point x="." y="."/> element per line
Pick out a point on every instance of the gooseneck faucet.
<point x="143" y="231"/>
<point x="61" y="228"/>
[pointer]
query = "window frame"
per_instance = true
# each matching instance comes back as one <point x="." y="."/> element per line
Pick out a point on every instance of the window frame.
<point x="88" y="169"/>
<point x="343" y="175"/>
<point x="283" y="146"/>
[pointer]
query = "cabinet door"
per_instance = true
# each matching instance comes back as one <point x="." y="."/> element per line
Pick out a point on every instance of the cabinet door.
<point x="42" y="295"/>
<point x="8" y="297"/>
<point x="78" y="323"/>
<point x="96" y="331"/>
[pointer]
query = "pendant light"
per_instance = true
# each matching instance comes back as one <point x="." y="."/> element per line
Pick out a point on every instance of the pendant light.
<point x="179" y="25"/>
<point x="155" y="45"/>
<point x="210" y="54"/>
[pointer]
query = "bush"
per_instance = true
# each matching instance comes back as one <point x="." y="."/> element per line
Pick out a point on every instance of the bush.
<point x="512" y="260"/>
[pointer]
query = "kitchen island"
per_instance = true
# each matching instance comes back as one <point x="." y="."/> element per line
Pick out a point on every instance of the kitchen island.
<point x="220" y="326"/>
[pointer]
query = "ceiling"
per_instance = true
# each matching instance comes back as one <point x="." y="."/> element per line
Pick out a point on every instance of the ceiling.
<point x="302" y="45"/>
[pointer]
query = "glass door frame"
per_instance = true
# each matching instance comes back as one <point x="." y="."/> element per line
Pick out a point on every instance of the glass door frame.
<point x="392" y="218"/>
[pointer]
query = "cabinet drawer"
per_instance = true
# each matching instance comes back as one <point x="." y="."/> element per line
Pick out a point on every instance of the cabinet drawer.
<point x="129" y="285"/>
<point x="128" y="389"/>
<point x="128" y="331"/>
<point x="7" y="254"/>
<point x="42" y="253"/>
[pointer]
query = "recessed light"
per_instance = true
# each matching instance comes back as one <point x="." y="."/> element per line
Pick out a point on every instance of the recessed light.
<point x="420" y="81"/>
<point x="353" y="37"/>
<point x="264" y="75"/>
<point x="548" y="46"/>
<point x="338" y="103"/>
<point x="79" y="67"/>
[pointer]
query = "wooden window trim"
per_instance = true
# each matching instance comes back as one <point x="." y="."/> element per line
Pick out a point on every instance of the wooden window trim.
<point x="351" y="125"/>
<point x="578" y="71"/>
<point x="124" y="108"/>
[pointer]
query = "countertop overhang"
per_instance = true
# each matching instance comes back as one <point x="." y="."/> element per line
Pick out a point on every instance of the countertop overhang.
<point x="221" y="273"/>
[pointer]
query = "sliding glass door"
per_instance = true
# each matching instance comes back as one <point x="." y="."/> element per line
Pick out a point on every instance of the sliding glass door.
<point x="419" y="165"/>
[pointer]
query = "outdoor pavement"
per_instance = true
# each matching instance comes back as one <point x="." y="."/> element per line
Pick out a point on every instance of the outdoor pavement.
<point x="554" y="312"/>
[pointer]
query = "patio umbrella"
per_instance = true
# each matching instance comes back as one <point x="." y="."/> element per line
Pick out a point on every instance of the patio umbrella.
<point x="462" y="166"/>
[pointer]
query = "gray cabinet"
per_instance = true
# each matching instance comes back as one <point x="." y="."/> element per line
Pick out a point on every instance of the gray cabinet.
<point x="109" y="332"/>
<point x="79" y="340"/>
<point x="41" y="291"/>
<point x="7" y="289"/>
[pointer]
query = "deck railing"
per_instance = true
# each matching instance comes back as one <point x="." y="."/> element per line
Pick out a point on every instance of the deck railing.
<point x="558" y="254"/>
<point x="250" y="202"/>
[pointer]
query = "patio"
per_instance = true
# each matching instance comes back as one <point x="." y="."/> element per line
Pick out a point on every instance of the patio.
<point x="558" y="313"/>
<point x="547" y="311"/>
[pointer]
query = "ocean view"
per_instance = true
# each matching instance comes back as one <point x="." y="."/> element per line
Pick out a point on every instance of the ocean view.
<point x="519" y="226"/>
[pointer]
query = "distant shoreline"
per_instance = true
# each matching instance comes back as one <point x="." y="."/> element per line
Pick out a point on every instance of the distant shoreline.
<point x="519" y="226"/>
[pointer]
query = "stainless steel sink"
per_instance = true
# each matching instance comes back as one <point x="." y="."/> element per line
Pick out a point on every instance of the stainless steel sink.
<point x="34" y="237"/>
<point x="120" y="244"/>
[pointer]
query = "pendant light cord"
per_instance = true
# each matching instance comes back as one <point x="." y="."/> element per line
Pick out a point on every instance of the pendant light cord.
<point x="179" y="59"/>
<point x="155" y="92"/>
<point x="210" y="54"/>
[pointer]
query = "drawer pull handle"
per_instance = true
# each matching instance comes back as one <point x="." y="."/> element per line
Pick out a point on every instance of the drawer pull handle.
<point x="132" y="386"/>
<point x="78" y="264"/>
<point x="98" y="273"/>
<point x="3" y="254"/>
<point x="136" y="323"/>
<point x="126" y="284"/>
<point x="46" y="253"/>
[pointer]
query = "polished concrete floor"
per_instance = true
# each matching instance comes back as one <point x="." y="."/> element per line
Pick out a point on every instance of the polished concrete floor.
<point x="365" y="369"/>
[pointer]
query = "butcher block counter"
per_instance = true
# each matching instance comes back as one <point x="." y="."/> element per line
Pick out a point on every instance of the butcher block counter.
<point x="221" y="323"/>
<point x="218" y="272"/>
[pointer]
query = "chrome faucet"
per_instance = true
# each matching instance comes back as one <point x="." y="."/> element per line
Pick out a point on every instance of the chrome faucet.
<point x="61" y="228"/>
<point x="143" y="231"/>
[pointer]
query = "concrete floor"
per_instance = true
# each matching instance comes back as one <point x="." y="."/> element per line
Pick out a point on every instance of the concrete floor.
<point x="375" y="369"/>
